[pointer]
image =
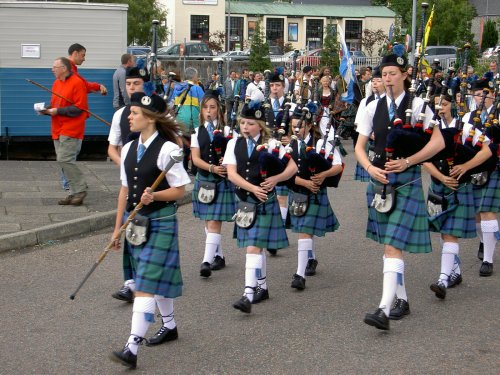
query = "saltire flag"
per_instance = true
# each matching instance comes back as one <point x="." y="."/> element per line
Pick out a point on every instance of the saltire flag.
<point x="346" y="70"/>
<point x="428" y="29"/>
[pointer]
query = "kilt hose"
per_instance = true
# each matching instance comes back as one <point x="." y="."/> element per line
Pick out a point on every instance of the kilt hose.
<point x="268" y="231"/>
<point x="406" y="227"/>
<point x="459" y="219"/>
<point x="224" y="205"/>
<point x="319" y="218"/>
<point x="157" y="262"/>
<point x="487" y="197"/>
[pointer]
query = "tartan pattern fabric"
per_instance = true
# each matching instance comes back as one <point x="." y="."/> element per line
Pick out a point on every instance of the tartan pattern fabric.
<point x="268" y="230"/>
<point x="406" y="227"/>
<point x="282" y="190"/>
<point x="128" y="270"/>
<point x="319" y="218"/>
<point x="360" y="174"/>
<point x="459" y="219"/>
<point x="157" y="262"/>
<point x="487" y="197"/>
<point x="224" y="205"/>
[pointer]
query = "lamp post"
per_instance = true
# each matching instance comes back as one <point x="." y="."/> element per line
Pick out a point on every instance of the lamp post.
<point x="228" y="35"/>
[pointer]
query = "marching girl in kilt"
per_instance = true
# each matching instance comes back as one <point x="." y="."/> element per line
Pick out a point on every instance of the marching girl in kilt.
<point x="206" y="154"/>
<point x="378" y="90"/>
<point x="405" y="227"/>
<point x="487" y="196"/>
<point x="457" y="219"/>
<point x="267" y="231"/>
<point x="319" y="217"/>
<point x="158" y="278"/>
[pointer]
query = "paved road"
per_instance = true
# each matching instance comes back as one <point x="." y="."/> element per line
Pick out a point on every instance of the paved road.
<point x="317" y="331"/>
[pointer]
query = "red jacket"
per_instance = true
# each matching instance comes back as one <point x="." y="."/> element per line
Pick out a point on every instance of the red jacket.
<point x="74" y="89"/>
<point x="91" y="86"/>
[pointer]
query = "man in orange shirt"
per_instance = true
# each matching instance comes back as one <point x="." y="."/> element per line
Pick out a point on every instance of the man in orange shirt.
<point x="68" y="126"/>
<point x="76" y="55"/>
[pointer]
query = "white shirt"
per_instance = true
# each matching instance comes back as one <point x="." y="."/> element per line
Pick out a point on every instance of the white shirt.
<point x="176" y="176"/>
<point x="467" y="127"/>
<point x="115" y="132"/>
<point x="230" y="157"/>
<point x="362" y="107"/>
<point x="194" y="136"/>
<point x="256" y="91"/>
<point x="365" y="124"/>
<point x="337" y="159"/>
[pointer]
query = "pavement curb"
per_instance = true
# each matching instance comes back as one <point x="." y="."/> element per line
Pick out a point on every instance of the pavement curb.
<point x="67" y="229"/>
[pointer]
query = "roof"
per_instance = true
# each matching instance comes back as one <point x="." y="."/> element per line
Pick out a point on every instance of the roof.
<point x="486" y="7"/>
<point x="301" y="10"/>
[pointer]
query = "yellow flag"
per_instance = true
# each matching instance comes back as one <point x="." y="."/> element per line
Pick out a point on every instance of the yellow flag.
<point x="428" y="29"/>
<point x="425" y="64"/>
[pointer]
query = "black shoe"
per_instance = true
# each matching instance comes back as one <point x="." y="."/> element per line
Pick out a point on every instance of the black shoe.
<point x="205" y="270"/>
<point x="400" y="309"/>
<point x="218" y="263"/>
<point x="486" y="269"/>
<point x="260" y="295"/>
<point x="124" y="294"/>
<point x="311" y="267"/>
<point x="455" y="279"/>
<point x="439" y="289"/>
<point x="163" y="335"/>
<point x="298" y="282"/>
<point x="378" y="319"/>
<point x="243" y="304"/>
<point x="125" y="357"/>
<point x="480" y="251"/>
<point x="273" y="252"/>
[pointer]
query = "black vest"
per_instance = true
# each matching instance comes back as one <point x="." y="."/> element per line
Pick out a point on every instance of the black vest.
<point x="302" y="166"/>
<point x="248" y="168"/>
<point x="381" y="127"/>
<point x="207" y="151"/>
<point x="125" y="133"/>
<point x="143" y="174"/>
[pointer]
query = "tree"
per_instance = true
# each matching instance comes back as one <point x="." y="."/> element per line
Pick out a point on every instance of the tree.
<point x="490" y="35"/>
<point x="330" y="52"/>
<point x="139" y="17"/>
<point x="371" y="38"/>
<point x="217" y="41"/>
<point x="259" y="51"/>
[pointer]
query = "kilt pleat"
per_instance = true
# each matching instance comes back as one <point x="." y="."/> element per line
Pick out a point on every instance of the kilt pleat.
<point x="157" y="262"/>
<point x="282" y="190"/>
<point x="268" y="230"/>
<point x="128" y="270"/>
<point x="223" y="207"/>
<point x="406" y="227"/>
<point x="487" y="197"/>
<point x="319" y="218"/>
<point x="459" y="219"/>
<point x="360" y="174"/>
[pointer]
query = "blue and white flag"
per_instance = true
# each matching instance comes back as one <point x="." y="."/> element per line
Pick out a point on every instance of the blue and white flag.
<point x="346" y="70"/>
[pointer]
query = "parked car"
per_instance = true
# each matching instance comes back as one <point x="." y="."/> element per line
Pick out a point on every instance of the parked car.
<point x="234" y="55"/>
<point x="445" y="54"/>
<point x="359" y="57"/>
<point x="198" y="50"/>
<point x="139" y="51"/>
<point x="312" y="58"/>
<point x="275" y="51"/>
<point x="491" y="52"/>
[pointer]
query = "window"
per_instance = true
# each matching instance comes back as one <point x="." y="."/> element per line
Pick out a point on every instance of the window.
<point x="275" y="30"/>
<point x="353" y="29"/>
<point x="251" y="29"/>
<point x="199" y="27"/>
<point x="236" y="34"/>
<point x="293" y="32"/>
<point x="314" y="33"/>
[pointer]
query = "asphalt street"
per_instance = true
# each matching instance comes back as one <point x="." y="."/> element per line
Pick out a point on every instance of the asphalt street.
<point x="317" y="331"/>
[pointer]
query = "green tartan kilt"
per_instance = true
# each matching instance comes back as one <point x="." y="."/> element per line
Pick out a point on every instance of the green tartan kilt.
<point x="319" y="218"/>
<point x="459" y="219"/>
<point x="224" y="205"/>
<point x="487" y="197"/>
<point x="268" y="231"/>
<point x="157" y="262"/>
<point x="282" y="190"/>
<point x="406" y="227"/>
<point x="360" y="174"/>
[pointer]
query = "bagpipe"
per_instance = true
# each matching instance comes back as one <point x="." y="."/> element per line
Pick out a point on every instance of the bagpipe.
<point x="155" y="77"/>
<point x="291" y="87"/>
<point x="492" y="126"/>
<point x="268" y="112"/>
<point x="219" y="141"/>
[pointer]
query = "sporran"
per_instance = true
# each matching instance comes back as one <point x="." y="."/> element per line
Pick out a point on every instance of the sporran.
<point x="245" y="215"/>
<point x="137" y="230"/>
<point x="384" y="200"/>
<point x="436" y="204"/>
<point x="207" y="192"/>
<point x="299" y="203"/>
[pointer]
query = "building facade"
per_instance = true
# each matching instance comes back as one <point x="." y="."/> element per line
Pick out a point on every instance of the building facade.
<point x="304" y="26"/>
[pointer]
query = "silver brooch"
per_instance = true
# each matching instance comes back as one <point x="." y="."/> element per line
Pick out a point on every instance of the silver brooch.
<point x="146" y="100"/>
<point x="258" y="114"/>
<point x="450" y="92"/>
<point x="281" y="77"/>
<point x="490" y="84"/>
<point x="400" y="61"/>
<point x="142" y="72"/>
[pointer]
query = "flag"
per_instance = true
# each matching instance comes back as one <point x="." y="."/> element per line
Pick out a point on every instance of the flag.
<point x="428" y="29"/>
<point x="424" y="63"/>
<point x="346" y="70"/>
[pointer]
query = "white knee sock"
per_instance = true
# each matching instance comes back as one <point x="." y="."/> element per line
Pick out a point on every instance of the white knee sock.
<point x="219" y="251"/>
<point x="479" y="231"/>
<point x="142" y="316"/>
<point x="392" y="266"/>
<point x="489" y="228"/>
<point x="310" y="253"/>
<point x="130" y="284"/>
<point x="450" y="250"/>
<point x="284" y="212"/>
<point x="211" y="243"/>
<point x="253" y="262"/>
<point x="262" y="272"/>
<point x="304" y="246"/>
<point x="401" y="288"/>
<point x="166" y="307"/>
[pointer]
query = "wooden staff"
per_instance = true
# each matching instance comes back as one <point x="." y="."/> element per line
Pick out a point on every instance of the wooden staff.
<point x="69" y="101"/>
<point x="176" y="156"/>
